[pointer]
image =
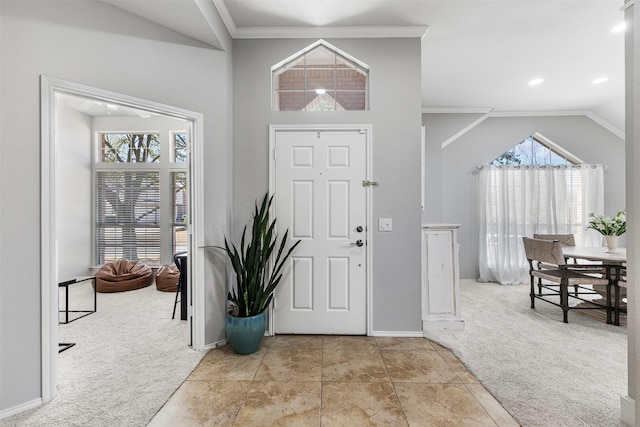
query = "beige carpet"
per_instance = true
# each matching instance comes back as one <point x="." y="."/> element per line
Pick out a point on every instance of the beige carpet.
<point x="129" y="358"/>
<point x="543" y="371"/>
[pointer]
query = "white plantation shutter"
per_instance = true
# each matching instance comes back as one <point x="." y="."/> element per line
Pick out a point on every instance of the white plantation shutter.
<point x="128" y="216"/>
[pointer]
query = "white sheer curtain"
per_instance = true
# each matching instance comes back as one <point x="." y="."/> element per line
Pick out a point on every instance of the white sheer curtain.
<point x="517" y="201"/>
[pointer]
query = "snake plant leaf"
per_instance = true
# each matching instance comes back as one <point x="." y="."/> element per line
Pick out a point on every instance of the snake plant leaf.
<point x="257" y="273"/>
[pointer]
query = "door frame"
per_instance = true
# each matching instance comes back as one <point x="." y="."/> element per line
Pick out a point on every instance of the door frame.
<point x="195" y="330"/>
<point x="367" y="129"/>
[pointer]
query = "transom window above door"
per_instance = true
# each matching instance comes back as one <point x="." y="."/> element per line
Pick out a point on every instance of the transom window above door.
<point x="320" y="78"/>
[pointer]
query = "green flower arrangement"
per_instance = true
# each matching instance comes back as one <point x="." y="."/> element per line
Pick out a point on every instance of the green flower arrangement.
<point x="609" y="226"/>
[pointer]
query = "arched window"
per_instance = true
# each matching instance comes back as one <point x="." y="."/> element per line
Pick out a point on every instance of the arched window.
<point x="536" y="150"/>
<point x="320" y="78"/>
<point x="535" y="187"/>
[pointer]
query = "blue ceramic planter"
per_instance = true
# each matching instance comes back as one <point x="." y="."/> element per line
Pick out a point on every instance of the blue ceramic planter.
<point x="245" y="333"/>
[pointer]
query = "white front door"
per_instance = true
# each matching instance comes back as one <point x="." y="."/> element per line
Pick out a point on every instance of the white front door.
<point x="320" y="198"/>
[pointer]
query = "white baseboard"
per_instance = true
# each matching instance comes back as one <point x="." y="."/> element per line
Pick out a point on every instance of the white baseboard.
<point x="628" y="410"/>
<point x="409" y="334"/>
<point x="215" y="344"/>
<point x="20" y="408"/>
<point x="443" y="325"/>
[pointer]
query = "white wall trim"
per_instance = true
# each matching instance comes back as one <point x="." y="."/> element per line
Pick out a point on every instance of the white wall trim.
<point x="465" y="129"/>
<point x="215" y="345"/>
<point x="48" y="251"/>
<point x="605" y="124"/>
<point x="196" y="234"/>
<point x="558" y="149"/>
<point x="315" y="32"/>
<point x="442" y="325"/>
<point x="628" y="410"/>
<point x="312" y="46"/>
<point x="491" y="113"/>
<point x="20" y="408"/>
<point x="453" y="110"/>
<point x="208" y="10"/>
<point x="408" y="334"/>
<point x="226" y="16"/>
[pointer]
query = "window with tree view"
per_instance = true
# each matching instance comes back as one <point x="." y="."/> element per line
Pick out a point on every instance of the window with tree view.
<point x="532" y="151"/>
<point x="130" y="147"/>
<point x="140" y="197"/>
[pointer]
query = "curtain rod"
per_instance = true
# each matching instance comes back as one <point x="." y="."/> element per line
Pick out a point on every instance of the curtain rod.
<point x="593" y="166"/>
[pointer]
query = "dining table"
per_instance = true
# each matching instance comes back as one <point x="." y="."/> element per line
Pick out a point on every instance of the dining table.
<point x="613" y="261"/>
<point x="596" y="253"/>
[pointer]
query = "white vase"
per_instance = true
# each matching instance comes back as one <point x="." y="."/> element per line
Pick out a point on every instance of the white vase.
<point x="612" y="244"/>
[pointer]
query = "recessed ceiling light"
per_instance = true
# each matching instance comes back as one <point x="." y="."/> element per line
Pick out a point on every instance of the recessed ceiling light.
<point x="619" y="28"/>
<point x="535" y="82"/>
<point x="321" y="91"/>
<point x="599" y="80"/>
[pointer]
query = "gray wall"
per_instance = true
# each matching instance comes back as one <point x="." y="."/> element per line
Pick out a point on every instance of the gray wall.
<point x="97" y="45"/>
<point x="453" y="178"/>
<point x="73" y="174"/>
<point x="395" y="115"/>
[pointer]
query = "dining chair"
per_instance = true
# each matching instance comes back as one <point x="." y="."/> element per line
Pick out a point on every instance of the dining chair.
<point x="620" y="300"/>
<point x="567" y="240"/>
<point x="180" y="260"/>
<point x="548" y="264"/>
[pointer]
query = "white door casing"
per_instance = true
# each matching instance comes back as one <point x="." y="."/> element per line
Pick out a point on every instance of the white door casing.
<point x="48" y="251"/>
<point x="317" y="178"/>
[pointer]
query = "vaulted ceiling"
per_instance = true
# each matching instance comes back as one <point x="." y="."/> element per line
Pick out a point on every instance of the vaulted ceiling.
<point x="477" y="55"/>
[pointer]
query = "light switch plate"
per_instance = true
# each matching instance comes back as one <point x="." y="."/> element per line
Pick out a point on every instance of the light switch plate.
<point x="385" y="224"/>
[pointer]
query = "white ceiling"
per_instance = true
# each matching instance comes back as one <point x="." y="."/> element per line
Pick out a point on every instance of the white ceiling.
<point x="477" y="55"/>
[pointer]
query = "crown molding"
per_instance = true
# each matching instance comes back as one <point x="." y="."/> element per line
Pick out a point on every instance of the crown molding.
<point x="454" y="110"/>
<point x="328" y="32"/>
<point x="315" y="32"/>
<point x="605" y="124"/>
<point x="226" y="16"/>
<point x="491" y="114"/>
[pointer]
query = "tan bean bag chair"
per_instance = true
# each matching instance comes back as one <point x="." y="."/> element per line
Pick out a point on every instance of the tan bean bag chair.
<point x="123" y="275"/>
<point x="167" y="278"/>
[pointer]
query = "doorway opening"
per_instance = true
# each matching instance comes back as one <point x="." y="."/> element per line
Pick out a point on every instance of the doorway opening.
<point x="51" y="152"/>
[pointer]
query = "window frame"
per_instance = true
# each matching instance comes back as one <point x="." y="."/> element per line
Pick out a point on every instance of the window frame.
<point x="333" y="93"/>
<point x="165" y="167"/>
<point x="554" y="148"/>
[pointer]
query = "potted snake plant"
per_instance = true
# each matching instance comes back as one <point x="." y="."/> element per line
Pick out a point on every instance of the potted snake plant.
<point x="259" y="263"/>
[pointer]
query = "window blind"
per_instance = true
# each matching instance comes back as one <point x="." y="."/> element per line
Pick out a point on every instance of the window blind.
<point x="128" y="216"/>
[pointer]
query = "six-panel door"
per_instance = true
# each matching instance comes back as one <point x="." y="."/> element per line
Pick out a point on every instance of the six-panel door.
<point x="319" y="196"/>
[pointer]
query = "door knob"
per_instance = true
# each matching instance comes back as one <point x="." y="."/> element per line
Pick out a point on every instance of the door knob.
<point x="357" y="243"/>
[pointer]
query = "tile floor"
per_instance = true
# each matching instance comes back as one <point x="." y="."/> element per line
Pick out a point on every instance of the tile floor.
<point x="333" y="381"/>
